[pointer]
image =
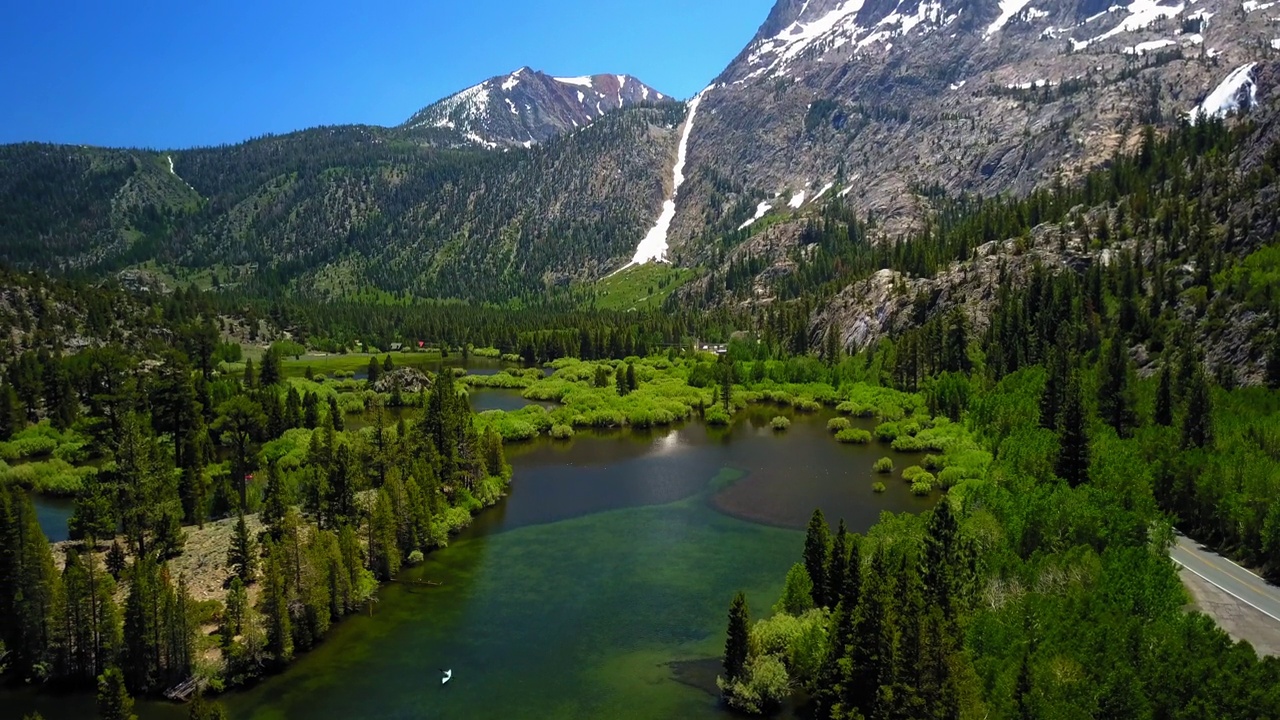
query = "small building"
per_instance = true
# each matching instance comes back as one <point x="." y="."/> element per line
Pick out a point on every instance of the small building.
<point x="397" y="347"/>
<point x="717" y="348"/>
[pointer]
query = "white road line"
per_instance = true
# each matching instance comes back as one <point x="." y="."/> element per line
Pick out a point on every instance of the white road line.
<point x="1211" y="582"/>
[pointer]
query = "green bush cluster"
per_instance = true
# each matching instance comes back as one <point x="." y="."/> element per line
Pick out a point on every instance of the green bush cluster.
<point x="854" y="436"/>
<point x="50" y="477"/>
<point x="780" y="423"/>
<point x="884" y="465"/>
<point x="561" y="432"/>
<point x="835" y="425"/>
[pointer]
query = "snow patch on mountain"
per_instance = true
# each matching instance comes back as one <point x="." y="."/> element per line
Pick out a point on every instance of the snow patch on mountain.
<point x="1143" y="48"/>
<point x="1142" y="14"/>
<point x="1237" y="92"/>
<point x="796" y="200"/>
<point x="761" y="210"/>
<point x="653" y="248"/>
<point x="584" y="81"/>
<point x="1008" y="8"/>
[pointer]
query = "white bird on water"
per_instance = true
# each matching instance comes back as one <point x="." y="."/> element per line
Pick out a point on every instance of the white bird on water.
<point x="448" y="675"/>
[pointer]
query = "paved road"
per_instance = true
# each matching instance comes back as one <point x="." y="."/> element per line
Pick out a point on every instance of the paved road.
<point x="1228" y="577"/>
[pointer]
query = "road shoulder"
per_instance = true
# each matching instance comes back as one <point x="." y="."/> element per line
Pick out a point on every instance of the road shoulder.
<point x="1238" y="619"/>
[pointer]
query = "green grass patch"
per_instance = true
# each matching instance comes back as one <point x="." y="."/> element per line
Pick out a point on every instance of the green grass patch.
<point x="640" y="288"/>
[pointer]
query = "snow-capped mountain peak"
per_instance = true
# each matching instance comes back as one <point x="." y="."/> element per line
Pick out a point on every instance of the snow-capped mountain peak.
<point x="526" y="107"/>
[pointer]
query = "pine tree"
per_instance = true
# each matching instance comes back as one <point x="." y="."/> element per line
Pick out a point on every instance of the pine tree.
<point x="240" y="421"/>
<point x="727" y="378"/>
<point x="335" y="414"/>
<point x="737" y="645"/>
<point x="1022" y="690"/>
<point x="233" y="617"/>
<point x="143" y="626"/>
<point x="384" y="550"/>
<point x="620" y="378"/>
<point x="817" y="553"/>
<point x="114" y="702"/>
<point x="632" y="383"/>
<point x="11" y="416"/>
<point x="311" y="411"/>
<point x="1272" y="374"/>
<point x="374" y="371"/>
<point x="270" y="374"/>
<point x="30" y="587"/>
<point x="1073" y="453"/>
<point x="340" y="503"/>
<point x="942" y="563"/>
<point x="292" y="409"/>
<point x="1197" y="424"/>
<point x="1164" y="398"/>
<point x="1116" y="402"/>
<point x="250" y="381"/>
<point x="838" y="566"/>
<point x="1054" y="389"/>
<point x="93" y="633"/>
<point x="242" y="555"/>
<point x="274" y="502"/>
<point x="275" y="608"/>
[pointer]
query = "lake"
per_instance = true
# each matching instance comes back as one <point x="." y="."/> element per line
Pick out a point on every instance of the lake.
<point x="615" y="556"/>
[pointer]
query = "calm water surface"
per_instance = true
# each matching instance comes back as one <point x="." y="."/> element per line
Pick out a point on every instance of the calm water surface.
<point x="615" y="556"/>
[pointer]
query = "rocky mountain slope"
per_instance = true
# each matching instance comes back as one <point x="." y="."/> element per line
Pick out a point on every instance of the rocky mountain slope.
<point x="527" y="107"/>
<point x="881" y="100"/>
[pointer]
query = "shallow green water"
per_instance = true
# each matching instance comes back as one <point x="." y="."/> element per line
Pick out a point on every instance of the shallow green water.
<point x="616" y="555"/>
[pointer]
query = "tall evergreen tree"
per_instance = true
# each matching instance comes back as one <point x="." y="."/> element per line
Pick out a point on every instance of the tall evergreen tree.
<point x="240" y="422"/>
<point x="737" y="645"/>
<point x="1164" y="397"/>
<point x="838" y="566"/>
<point x="30" y="587"/>
<point x="275" y="608"/>
<point x="271" y="373"/>
<point x="1197" y="423"/>
<point x="817" y="554"/>
<point x="114" y="702"/>
<point x="242" y="556"/>
<point x="1116" y="402"/>
<point x="1073" y="453"/>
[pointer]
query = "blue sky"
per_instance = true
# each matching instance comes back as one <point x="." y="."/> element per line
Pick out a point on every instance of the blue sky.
<point x="165" y="74"/>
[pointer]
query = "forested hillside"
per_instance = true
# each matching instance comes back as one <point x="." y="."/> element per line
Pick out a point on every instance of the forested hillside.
<point x="333" y="211"/>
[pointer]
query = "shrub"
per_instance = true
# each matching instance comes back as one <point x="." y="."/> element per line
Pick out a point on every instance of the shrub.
<point x="884" y="466"/>
<point x="762" y="688"/>
<point x="561" y="432"/>
<point x="835" y="425"/>
<point x="888" y="432"/>
<point x="913" y="472"/>
<point x="716" y="416"/>
<point x="780" y="423"/>
<point x="878" y="487"/>
<point x="415" y="558"/>
<point x="950" y="477"/>
<point x="807" y="406"/>
<point x="854" y="436"/>
<point x="932" y="463"/>
<point x="923" y="484"/>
